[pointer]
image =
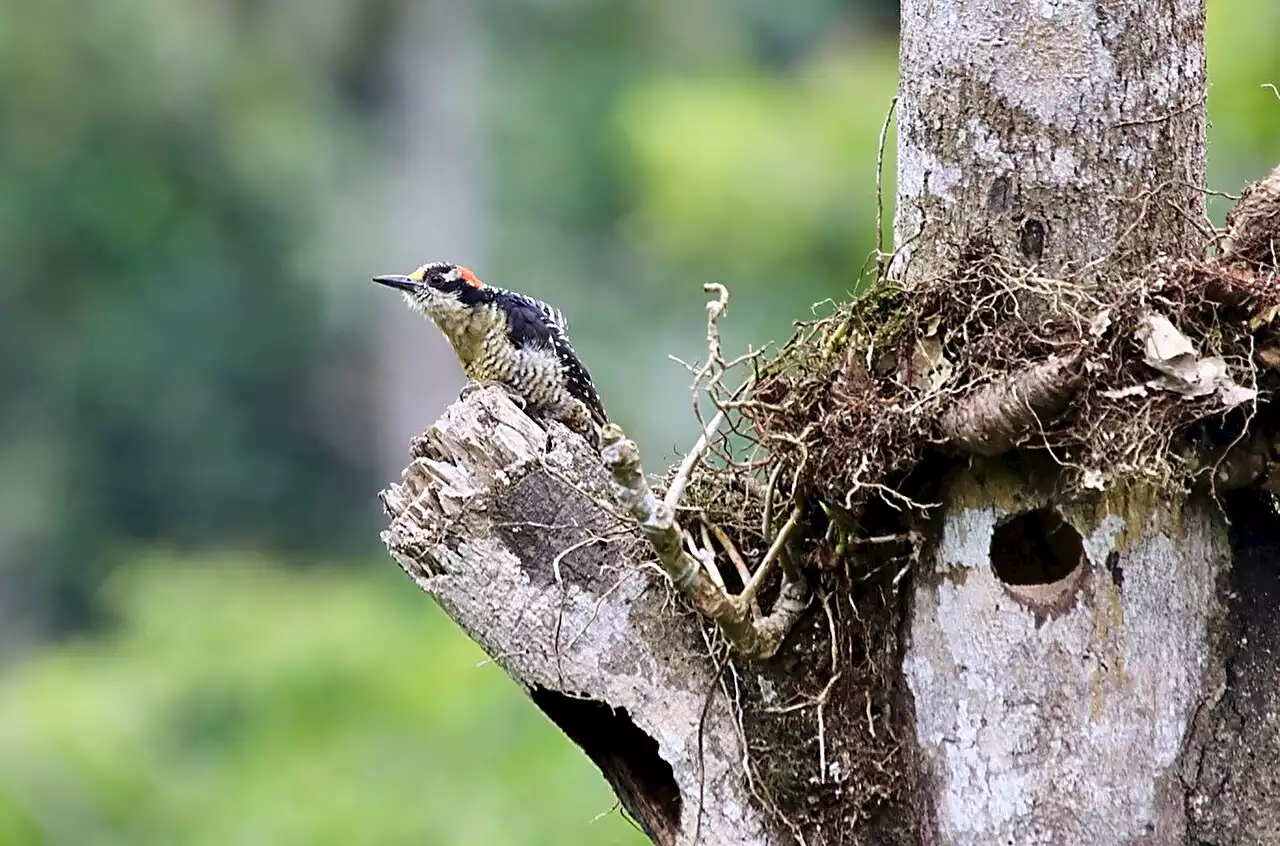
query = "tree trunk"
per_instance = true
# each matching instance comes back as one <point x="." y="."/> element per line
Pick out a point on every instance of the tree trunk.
<point x="1053" y="668"/>
<point x="1058" y="652"/>
<point x="1067" y="132"/>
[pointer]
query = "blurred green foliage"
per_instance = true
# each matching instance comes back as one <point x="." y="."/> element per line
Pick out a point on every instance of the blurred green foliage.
<point x="1244" y="115"/>
<point x="660" y="145"/>
<point x="162" y="163"/>
<point x="750" y="176"/>
<point x="242" y="702"/>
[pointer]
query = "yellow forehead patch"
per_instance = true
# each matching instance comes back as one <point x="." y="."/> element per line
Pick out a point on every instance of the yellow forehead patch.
<point x="419" y="274"/>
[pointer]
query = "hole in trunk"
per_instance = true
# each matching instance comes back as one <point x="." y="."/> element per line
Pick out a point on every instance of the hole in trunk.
<point x="1040" y="560"/>
<point x="1035" y="548"/>
<point x="627" y="757"/>
<point x="1031" y="239"/>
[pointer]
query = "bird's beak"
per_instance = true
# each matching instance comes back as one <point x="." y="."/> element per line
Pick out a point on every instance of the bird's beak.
<point x="404" y="283"/>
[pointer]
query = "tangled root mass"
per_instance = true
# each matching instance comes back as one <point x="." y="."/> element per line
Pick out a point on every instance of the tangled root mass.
<point x="1162" y="377"/>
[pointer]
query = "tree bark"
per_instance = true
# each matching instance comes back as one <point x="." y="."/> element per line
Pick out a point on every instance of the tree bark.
<point x="516" y="540"/>
<point x="1058" y="654"/>
<point x="1068" y="132"/>
<point x="1068" y="669"/>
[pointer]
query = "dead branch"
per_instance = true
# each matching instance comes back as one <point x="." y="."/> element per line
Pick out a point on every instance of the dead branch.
<point x="1254" y="225"/>
<point x="502" y="522"/>
<point x="993" y="418"/>
<point x="656" y="519"/>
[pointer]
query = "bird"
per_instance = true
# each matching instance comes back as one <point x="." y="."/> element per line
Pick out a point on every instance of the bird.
<point x="507" y="338"/>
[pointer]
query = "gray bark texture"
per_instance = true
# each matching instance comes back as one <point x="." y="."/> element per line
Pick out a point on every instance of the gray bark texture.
<point x="1108" y="700"/>
<point x="1090" y="669"/>
<point x="513" y="532"/>
<point x="1067" y="131"/>
<point x="1056" y="712"/>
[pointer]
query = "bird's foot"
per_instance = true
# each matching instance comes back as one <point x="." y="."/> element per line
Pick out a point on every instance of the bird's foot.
<point x="471" y="387"/>
<point x="578" y="419"/>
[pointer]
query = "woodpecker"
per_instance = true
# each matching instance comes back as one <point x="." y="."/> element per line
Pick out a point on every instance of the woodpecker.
<point x="506" y="337"/>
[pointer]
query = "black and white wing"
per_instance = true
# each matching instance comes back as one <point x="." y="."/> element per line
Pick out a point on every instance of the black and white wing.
<point x="531" y="321"/>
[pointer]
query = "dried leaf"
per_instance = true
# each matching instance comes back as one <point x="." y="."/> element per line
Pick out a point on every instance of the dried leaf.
<point x="1264" y="317"/>
<point x="1101" y="323"/>
<point x="1121" y="393"/>
<point x="1172" y="354"/>
<point x="1233" y="394"/>
<point x="1164" y="343"/>
<point x="929" y="365"/>
<point x="1094" y="480"/>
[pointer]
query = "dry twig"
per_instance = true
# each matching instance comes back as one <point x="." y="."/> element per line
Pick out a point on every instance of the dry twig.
<point x="657" y="522"/>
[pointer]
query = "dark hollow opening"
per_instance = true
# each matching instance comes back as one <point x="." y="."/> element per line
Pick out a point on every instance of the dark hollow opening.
<point x="1031" y="239"/>
<point x="1254" y="591"/>
<point x="1237" y="775"/>
<point x="628" y="758"/>
<point x="1035" y="548"/>
<point x="1255" y="520"/>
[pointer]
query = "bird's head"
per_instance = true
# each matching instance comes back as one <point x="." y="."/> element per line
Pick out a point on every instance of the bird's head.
<point x="436" y="288"/>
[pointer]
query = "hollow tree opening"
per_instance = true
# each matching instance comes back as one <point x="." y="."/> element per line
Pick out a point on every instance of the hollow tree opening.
<point x="1237" y="740"/>
<point x="626" y="755"/>
<point x="1035" y="548"/>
